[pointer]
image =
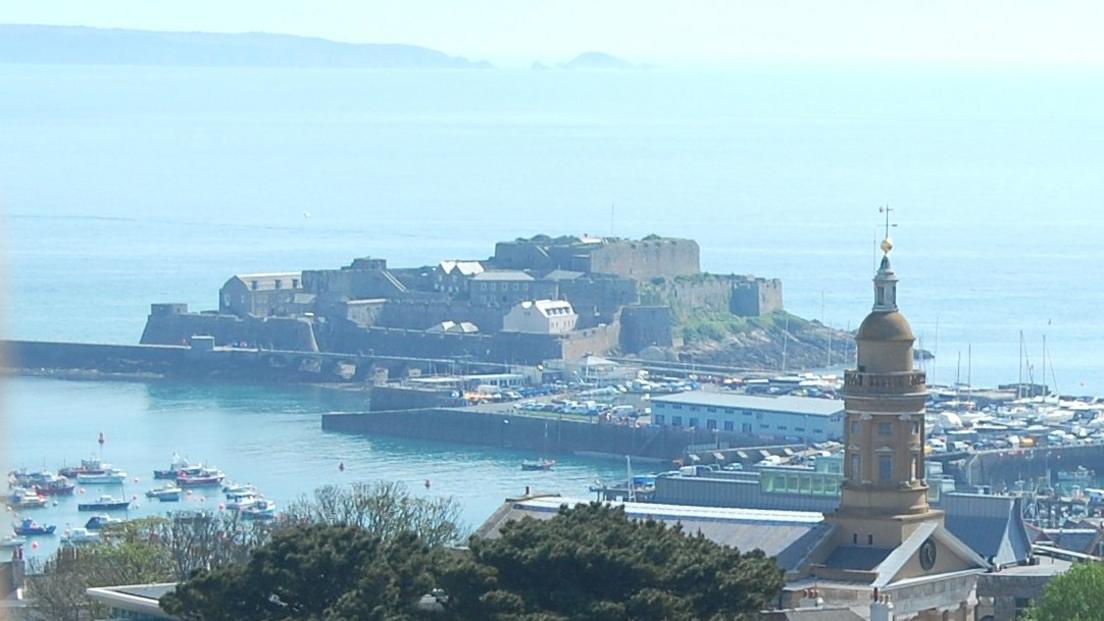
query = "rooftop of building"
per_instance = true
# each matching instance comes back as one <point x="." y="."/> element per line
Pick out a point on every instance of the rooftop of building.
<point x="766" y="403"/>
<point x="786" y="535"/>
<point x="496" y="275"/>
<point x="549" y="308"/>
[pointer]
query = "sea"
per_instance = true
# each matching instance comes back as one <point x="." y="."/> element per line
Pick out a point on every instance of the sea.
<point x="123" y="186"/>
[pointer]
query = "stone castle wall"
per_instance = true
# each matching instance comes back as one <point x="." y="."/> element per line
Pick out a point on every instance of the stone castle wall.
<point x="178" y="328"/>
<point x="420" y="315"/>
<point x="646" y="259"/>
<point x="646" y="326"/>
<point x="757" y="296"/>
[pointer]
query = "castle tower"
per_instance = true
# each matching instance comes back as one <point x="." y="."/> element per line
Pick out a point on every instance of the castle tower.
<point x="884" y="489"/>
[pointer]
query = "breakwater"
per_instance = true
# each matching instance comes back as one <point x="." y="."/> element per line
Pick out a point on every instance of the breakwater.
<point x="509" y="429"/>
<point x="201" y="360"/>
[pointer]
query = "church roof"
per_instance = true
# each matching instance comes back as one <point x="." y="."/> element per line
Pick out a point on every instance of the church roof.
<point x="991" y="525"/>
<point x="885" y="326"/>
<point x="788" y="536"/>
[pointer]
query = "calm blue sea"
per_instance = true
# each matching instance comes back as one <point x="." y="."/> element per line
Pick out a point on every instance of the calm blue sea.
<point x="123" y="186"/>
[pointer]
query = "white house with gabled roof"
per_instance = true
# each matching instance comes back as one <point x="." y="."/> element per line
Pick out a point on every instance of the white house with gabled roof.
<point x="541" y="317"/>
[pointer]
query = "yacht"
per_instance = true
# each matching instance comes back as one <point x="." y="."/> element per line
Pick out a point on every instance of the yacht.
<point x="75" y="536"/>
<point x="205" y="477"/>
<point x="22" y="498"/>
<point x="166" y="493"/>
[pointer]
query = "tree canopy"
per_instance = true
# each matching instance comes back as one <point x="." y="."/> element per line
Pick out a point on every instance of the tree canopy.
<point x="590" y="563"/>
<point x="1077" y="595"/>
<point x="313" y="571"/>
<point x="593" y="563"/>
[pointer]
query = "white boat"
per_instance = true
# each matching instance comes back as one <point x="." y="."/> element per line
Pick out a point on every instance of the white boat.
<point x="12" y="542"/>
<point x="262" y="509"/>
<point x="76" y="536"/>
<point x="166" y="493"/>
<point x="241" y="502"/>
<point x="22" y="498"/>
<point x="109" y="476"/>
<point x="232" y="489"/>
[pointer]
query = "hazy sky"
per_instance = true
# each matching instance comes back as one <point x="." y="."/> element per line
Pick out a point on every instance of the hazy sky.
<point x="645" y="30"/>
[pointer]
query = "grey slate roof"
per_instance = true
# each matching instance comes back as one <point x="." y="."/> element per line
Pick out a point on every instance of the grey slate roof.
<point x="507" y="275"/>
<point x="862" y="558"/>
<point x="991" y="525"/>
<point x="800" y="405"/>
<point x="787" y="536"/>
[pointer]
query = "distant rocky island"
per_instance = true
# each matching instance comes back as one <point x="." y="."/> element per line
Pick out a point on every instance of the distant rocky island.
<point x="598" y="60"/>
<point x="34" y="44"/>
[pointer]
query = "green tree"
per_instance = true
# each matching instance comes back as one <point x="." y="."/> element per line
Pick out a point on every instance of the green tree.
<point x="129" y="554"/>
<point x="309" y="572"/>
<point x="1077" y="595"/>
<point x="592" y="563"/>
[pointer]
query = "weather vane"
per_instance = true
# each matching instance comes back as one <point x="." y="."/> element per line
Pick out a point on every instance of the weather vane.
<point x="887" y="243"/>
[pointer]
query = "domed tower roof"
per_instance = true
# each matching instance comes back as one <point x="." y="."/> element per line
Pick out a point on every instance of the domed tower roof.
<point x="885" y="337"/>
<point x="885" y="326"/>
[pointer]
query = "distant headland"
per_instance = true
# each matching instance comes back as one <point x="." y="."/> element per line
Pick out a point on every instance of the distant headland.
<point x="75" y="45"/>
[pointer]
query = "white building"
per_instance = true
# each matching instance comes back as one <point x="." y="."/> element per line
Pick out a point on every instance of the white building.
<point x="804" y="418"/>
<point x="541" y="317"/>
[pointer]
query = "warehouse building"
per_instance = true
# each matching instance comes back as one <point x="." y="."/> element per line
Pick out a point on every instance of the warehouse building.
<point x="801" y="419"/>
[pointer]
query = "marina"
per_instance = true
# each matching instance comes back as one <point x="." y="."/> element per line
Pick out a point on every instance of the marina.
<point x="259" y="436"/>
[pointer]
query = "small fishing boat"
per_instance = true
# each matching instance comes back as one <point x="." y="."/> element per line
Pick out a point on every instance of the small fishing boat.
<point x="262" y="509"/>
<point x="76" y="536"/>
<point x="206" y="477"/>
<point x="87" y="466"/>
<point x="55" y="486"/>
<point x="26" y="478"/>
<point x="26" y="499"/>
<point x="31" y="528"/>
<point x="540" y="464"/>
<point x="238" y="502"/>
<point x="97" y="522"/>
<point x="104" y="503"/>
<point x="11" y="542"/>
<point x="231" y="489"/>
<point x="178" y="467"/>
<point x="109" y="476"/>
<point x="166" y="493"/>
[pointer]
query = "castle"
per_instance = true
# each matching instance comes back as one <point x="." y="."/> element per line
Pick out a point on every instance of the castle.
<point x="622" y="295"/>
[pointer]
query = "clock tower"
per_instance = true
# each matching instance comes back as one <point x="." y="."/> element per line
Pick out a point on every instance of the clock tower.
<point x="884" y="489"/>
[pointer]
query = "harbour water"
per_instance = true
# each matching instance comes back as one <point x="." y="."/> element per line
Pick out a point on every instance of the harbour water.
<point x="268" y="437"/>
<point x="122" y="186"/>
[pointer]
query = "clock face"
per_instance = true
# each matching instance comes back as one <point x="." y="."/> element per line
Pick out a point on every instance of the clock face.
<point x="927" y="554"/>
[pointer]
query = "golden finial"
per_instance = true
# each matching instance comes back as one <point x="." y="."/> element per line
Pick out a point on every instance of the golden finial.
<point x="887" y="243"/>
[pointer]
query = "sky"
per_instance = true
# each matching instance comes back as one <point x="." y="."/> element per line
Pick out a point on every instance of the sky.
<point x="661" y="31"/>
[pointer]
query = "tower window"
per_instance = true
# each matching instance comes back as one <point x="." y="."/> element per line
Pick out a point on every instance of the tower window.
<point x="880" y="296"/>
<point x="884" y="429"/>
<point x="856" y="467"/>
<point x="854" y="428"/>
<point x="885" y="467"/>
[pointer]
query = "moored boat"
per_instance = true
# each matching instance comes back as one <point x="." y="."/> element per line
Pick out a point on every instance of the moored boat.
<point x="231" y="489"/>
<point x="166" y="493"/>
<point x="239" y="502"/>
<point x="206" y="477"/>
<point x="97" y="522"/>
<point x="75" y="536"/>
<point x="25" y="499"/>
<point x="87" y="466"/>
<point x="540" y="464"/>
<point x="55" y="486"/>
<point x="178" y="467"/>
<point x="104" y="503"/>
<point x="262" y="509"/>
<point x="11" y="542"/>
<point x="109" y="476"/>
<point x="31" y="528"/>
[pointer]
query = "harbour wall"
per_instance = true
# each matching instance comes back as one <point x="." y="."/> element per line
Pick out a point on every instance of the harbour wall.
<point x="220" y="363"/>
<point x="513" y="430"/>
<point x="1005" y="467"/>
